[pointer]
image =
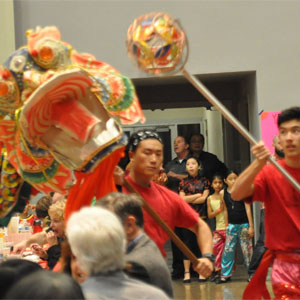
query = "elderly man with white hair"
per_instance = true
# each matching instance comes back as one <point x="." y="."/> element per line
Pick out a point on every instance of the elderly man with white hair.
<point x="97" y="239"/>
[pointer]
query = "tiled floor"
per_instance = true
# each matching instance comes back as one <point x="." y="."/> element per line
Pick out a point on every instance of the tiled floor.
<point x="209" y="290"/>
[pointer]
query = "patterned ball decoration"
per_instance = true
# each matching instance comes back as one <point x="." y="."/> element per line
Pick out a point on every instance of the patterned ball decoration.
<point x="157" y="43"/>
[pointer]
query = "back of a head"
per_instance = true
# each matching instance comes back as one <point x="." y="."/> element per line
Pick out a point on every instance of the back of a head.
<point x="42" y="207"/>
<point x="289" y="114"/>
<point x="123" y="205"/>
<point x="45" y="285"/>
<point x="97" y="239"/>
<point x="13" y="270"/>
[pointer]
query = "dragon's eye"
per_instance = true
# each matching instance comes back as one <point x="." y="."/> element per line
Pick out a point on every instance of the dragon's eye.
<point x="17" y="63"/>
<point x="46" y="53"/>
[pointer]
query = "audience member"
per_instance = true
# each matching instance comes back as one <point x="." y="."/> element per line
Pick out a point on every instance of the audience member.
<point x="263" y="182"/>
<point x="240" y="229"/>
<point x="175" y="168"/>
<point x="176" y="171"/>
<point x="45" y="285"/>
<point x="210" y="162"/>
<point x="13" y="270"/>
<point x="194" y="190"/>
<point x="54" y="236"/>
<point x="141" y="251"/>
<point x="146" y="155"/>
<point x="216" y="208"/>
<point x="97" y="239"/>
<point x="41" y="209"/>
<point x="69" y="264"/>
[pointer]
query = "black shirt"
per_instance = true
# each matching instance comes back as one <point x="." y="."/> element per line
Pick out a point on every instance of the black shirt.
<point x="177" y="167"/>
<point x="212" y="165"/>
<point x="236" y="210"/>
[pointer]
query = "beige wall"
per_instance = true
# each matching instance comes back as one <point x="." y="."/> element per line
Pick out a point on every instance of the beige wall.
<point x="224" y="36"/>
<point x="7" y="29"/>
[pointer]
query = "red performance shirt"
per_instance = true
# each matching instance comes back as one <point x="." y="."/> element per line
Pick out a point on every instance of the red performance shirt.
<point x="169" y="206"/>
<point x="282" y="207"/>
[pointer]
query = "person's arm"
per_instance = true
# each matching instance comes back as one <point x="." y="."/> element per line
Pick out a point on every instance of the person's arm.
<point x="119" y="176"/>
<point x="210" y="213"/>
<point x="39" y="238"/>
<point x="225" y="213"/>
<point x="177" y="176"/>
<point x="189" y="198"/>
<point x="244" y="187"/>
<point x="250" y="220"/>
<point x="204" y="238"/>
<point x="201" y="199"/>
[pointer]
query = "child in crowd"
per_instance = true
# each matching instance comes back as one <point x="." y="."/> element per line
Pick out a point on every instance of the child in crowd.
<point x="240" y="228"/>
<point x="194" y="190"/>
<point x="216" y="208"/>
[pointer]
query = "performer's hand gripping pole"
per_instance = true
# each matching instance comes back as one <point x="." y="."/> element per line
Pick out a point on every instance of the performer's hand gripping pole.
<point x="234" y="122"/>
<point x="185" y="250"/>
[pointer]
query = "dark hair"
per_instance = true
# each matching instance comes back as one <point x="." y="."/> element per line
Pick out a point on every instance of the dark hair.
<point x="289" y="114"/>
<point x="231" y="172"/>
<point x="13" y="270"/>
<point x="42" y="207"/>
<point x="140" y="136"/>
<point x="196" y="159"/>
<point x="46" y="285"/>
<point x="123" y="205"/>
<point x="198" y="134"/>
<point x="219" y="176"/>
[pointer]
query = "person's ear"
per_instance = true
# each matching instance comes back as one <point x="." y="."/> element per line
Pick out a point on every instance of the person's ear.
<point x="130" y="225"/>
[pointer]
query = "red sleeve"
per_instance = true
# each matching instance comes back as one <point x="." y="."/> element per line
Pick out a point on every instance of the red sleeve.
<point x="186" y="215"/>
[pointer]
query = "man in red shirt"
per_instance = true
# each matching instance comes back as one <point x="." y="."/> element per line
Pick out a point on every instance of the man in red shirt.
<point x="263" y="182"/>
<point x="146" y="156"/>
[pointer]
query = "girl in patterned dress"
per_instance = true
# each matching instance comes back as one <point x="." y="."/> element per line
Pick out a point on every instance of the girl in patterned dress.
<point x="194" y="190"/>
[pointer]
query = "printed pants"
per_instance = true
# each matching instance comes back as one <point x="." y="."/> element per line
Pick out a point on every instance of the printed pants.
<point x="235" y="233"/>
<point x="219" y="237"/>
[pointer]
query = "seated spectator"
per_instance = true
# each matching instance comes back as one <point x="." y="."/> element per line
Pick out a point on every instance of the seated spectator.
<point x="41" y="210"/>
<point x="97" y="239"/>
<point x="13" y="270"/>
<point x="69" y="264"/>
<point x="142" y="254"/>
<point x="54" y="236"/>
<point x="45" y="285"/>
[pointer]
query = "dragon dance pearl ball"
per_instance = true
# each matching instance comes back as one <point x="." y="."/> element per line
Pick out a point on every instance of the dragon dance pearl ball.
<point x="157" y="43"/>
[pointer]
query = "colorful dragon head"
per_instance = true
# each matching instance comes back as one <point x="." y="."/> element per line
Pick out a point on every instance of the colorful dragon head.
<point x="60" y="114"/>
